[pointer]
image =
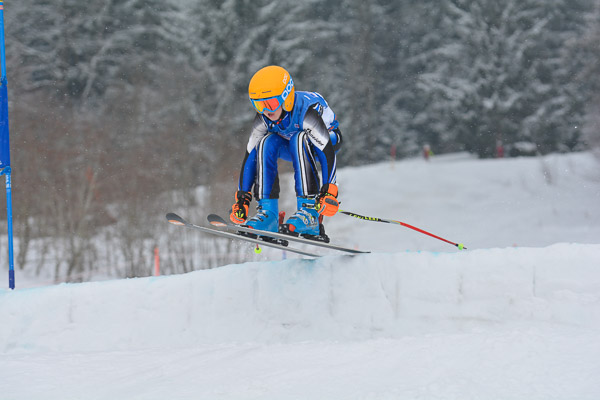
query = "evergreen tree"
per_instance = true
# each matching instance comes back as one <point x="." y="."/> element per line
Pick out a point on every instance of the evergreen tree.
<point x="585" y="50"/>
<point x="82" y="50"/>
<point x="425" y="113"/>
<point x="503" y="76"/>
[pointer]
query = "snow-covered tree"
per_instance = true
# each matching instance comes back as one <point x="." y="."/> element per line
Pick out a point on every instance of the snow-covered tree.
<point x="585" y="50"/>
<point x="503" y="75"/>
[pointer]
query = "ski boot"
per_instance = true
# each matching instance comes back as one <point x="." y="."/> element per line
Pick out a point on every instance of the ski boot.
<point x="306" y="222"/>
<point x="267" y="216"/>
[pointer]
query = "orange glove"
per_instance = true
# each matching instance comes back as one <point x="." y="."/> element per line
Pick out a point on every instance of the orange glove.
<point x="327" y="203"/>
<point x="239" y="211"/>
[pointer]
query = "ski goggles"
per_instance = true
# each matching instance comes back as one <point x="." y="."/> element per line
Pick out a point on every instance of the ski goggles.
<point x="271" y="104"/>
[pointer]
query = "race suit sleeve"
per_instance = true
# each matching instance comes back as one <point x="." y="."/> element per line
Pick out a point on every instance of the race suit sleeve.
<point x="248" y="172"/>
<point x="319" y="136"/>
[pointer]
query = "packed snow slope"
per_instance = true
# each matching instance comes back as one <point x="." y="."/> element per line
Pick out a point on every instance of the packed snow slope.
<point x="517" y="316"/>
<point x="517" y="323"/>
<point x="332" y="298"/>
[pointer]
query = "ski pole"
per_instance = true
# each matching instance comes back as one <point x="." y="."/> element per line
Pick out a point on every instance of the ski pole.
<point x="460" y="246"/>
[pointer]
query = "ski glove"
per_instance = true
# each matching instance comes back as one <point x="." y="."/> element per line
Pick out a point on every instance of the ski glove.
<point x="327" y="203"/>
<point x="239" y="211"/>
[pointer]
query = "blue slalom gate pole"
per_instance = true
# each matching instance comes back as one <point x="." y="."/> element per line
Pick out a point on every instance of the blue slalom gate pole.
<point x="5" y="150"/>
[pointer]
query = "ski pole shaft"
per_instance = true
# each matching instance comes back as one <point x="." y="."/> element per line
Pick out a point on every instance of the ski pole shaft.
<point x="460" y="246"/>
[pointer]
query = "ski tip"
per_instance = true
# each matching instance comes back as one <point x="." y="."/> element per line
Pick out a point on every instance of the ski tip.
<point x="175" y="219"/>
<point x="216" y="220"/>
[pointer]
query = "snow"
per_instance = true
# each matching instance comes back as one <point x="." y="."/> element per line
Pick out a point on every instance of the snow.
<point x="517" y="316"/>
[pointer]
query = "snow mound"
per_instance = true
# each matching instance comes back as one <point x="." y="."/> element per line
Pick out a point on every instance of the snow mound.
<point x="334" y="298"/>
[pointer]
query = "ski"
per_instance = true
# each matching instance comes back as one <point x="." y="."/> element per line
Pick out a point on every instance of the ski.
<point x="178" y="221"/>
<point x="219" y="222"/>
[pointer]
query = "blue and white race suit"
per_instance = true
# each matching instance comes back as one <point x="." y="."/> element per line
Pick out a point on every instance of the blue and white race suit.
<point x="309" y="131"/>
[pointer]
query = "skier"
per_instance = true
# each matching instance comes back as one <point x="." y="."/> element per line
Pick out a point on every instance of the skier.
<point x="298" y="127"/>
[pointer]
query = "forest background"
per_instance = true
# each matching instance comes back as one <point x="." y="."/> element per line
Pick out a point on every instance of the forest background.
<point x="122" y="108"/>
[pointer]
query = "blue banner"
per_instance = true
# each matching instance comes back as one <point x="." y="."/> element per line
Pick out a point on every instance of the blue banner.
<point x="4" y="135"/>
<point x="4" y="142"/>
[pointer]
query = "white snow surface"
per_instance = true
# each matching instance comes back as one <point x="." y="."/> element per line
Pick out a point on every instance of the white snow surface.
<point x="516" y="316"/>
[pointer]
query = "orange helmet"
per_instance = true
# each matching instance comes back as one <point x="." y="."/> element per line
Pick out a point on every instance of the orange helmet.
<point x="270" y="88"/>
